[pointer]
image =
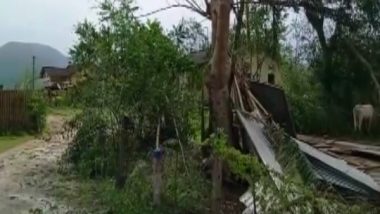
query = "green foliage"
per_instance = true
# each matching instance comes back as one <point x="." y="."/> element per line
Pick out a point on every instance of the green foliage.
<point x="133" y="69"/>
<point x="130" y="69"/>
<point x="36" y="110"/>
<point x="261" y="34"/>
<point x="9" y="142"/>
<point x="92" y="152"/>
<point x="245" y="166"/>
<point x="305" y="99"/>
<point x="100" y="196"/>
<point x="336" y="74"/>
<point x="291" y="158"/>
<point x="190" y="36"/>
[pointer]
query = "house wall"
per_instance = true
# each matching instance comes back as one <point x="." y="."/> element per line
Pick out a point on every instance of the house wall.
<point x="261" y="66"/>
<point x="46" y="80"/>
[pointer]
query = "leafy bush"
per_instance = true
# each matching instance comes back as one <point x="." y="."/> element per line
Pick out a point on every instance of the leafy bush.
<point x="305" y="99"/>
<point x="136" y="196"/>
<point x="311" y="109"/>
<point x="131" y="70"/>
<point x="92" y="152"/>
<point x="36" y="110"/>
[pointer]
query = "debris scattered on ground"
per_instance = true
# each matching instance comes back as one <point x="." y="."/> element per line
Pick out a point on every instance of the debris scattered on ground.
<point x="28" y="173"/>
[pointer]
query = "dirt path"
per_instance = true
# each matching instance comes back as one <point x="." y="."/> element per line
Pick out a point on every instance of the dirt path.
<point x="28" y="174"/>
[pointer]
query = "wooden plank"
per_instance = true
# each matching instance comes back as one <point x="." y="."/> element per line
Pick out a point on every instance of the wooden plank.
<point x="367" y="168"/>
<point x="321" y="146"/>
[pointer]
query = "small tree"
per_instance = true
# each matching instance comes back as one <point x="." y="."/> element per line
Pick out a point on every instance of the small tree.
<point x="132" y="70"/>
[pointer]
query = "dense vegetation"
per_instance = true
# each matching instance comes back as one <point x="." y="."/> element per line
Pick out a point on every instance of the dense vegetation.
<point x="36" y="110"/>
<point x="134" y="72"/>
<point x="140" y="88"/>
<point x="329" y="73"/>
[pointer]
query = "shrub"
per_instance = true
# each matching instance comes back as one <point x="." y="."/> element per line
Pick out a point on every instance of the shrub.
<point x="92" y="152"/>
<point x="305" y="99"/>
<point x="36" y="110"/>
<point x="313" y="111"/>
<point x="136" y="196"/>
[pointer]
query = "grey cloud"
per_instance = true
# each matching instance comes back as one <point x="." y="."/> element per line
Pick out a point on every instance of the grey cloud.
<point x="52" y="22"/>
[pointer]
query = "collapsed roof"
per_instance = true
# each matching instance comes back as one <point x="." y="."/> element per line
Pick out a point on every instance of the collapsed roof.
<point x="327" y="168"/>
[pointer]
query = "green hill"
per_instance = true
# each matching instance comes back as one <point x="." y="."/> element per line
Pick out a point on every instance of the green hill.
<point x="16" y="61"/>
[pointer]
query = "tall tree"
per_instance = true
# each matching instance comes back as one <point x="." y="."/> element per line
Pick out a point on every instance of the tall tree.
<point x="218" y="87"/>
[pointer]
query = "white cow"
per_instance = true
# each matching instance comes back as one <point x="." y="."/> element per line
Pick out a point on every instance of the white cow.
<point x="361" y="113"/>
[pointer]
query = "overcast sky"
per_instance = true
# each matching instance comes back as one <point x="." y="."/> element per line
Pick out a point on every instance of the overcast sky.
<point x="52" y="22"/>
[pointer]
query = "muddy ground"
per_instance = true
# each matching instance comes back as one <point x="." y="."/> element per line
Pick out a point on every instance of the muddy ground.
<point x="28" y="174"/>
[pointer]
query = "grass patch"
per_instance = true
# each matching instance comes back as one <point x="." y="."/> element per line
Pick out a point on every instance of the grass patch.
<point x="9" y="142"/>
<point x="185" y="193"/>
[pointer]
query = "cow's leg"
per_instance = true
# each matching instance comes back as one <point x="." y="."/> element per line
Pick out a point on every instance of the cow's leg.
<point x="360" y="122"/>
<point x="369" y="124"/>
<point x="354" y="116"/>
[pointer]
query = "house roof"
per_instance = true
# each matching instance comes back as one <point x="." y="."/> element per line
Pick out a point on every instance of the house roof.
<point x="57" y="74"/>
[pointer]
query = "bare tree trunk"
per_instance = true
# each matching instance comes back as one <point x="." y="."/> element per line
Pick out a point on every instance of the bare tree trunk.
<point x="217" y="171"/>
<point x="367" y="65"/>
<point x="219" y="76"/>
<point x="317" y="21"/>
<point x="122" y="160"/>
<point x="218" y="88"/>
<point x="202" y="111"/>
<point x="157" y="169"/>
<point x="234" y="58"/>
<point x="236" y="45"/>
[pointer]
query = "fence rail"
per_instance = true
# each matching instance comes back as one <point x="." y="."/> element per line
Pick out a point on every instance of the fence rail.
<point x="13" y="111"/>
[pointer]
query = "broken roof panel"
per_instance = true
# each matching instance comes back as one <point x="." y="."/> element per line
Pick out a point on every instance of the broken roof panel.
<point x="327" y="168"/>
<point x="263" y="147"/>
<point x="338" y="172"/>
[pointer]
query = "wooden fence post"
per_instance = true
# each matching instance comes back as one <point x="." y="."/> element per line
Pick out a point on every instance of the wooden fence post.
<point x="158" y="166"/>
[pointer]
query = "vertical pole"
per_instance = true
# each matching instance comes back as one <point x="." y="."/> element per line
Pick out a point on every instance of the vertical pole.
<point x="122" y="158"/>
<point x="157" y="169"/>
<point x="175" y="179"/>
<point x="203" y="134"/>
<point x="34" y="70"/>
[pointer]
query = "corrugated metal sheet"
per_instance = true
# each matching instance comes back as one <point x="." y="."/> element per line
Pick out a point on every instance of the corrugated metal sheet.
<point x="327" y="168"/>
<point x="338" y="172"/>
<point x="262" y="145"/>
<point x="375" y="175"/>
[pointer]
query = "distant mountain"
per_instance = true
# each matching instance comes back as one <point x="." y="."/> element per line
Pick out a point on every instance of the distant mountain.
<point x="16" y="60"/>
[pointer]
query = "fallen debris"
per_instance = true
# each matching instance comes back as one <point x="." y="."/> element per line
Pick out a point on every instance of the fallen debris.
<point x="365" y="158"/>
<point x="353" y="175"/>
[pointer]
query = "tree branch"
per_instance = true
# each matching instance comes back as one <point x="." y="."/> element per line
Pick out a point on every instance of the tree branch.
<point x="366" y="64"/>
<point x="194" y="9"/>
<point x="296" y="4"/>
